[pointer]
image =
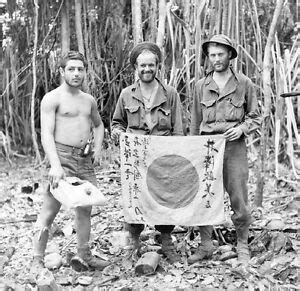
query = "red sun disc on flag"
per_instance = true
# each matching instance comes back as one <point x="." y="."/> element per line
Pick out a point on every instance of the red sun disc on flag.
<point x="172" y="181"/>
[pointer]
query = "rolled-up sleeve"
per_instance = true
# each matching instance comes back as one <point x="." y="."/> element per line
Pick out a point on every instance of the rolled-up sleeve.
<point x="196" y="113"/>
<point x="119" y="120"/>
<point x="252" y="119"/>
<point x="176" y="115"/>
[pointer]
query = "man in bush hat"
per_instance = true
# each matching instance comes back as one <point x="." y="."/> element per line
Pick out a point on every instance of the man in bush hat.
<point x="225" y="103"/>
<point x="148" y="107"/>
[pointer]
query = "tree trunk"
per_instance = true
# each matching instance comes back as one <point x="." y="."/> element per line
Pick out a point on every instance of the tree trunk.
<point x="225" y="17"/>
<point x="266" y="76"/>
<point x="187" y="48"/>
<point x="78" y="26"/>
<point x="86" y="83"/>
<point x="33" y="133"/>
<point x="137" y="21"/>
<point x="161" y="23"/>
<point x="152" y="21"/>
<point x="65" y="27"/>
<point x="172" y="37"/>
<point x="198" y="50"/>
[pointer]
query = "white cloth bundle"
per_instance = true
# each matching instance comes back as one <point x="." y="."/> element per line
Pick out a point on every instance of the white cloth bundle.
<point x="73" y="192"/>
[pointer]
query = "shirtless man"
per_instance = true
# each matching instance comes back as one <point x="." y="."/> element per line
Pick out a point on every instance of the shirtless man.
<point x="67" y="114"/>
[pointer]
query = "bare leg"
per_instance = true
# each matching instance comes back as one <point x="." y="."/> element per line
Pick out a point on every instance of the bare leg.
<point x="47" y="214"/>
<point x="84" y="259"/>
<point x="83" y="225"/>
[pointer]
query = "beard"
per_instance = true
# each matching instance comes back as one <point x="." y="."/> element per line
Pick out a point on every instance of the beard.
<point x="147" y="76"/>
<point x="221" y="66"/>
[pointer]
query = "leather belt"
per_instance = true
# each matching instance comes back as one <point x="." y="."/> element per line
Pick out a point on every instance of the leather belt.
<point x="72" y="149"/>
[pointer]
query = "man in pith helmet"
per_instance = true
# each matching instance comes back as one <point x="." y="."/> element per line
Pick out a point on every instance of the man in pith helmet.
<point x="225" y="103"/>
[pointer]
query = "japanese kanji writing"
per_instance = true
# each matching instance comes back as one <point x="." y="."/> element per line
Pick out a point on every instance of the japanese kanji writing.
<point x="209" y="162"/>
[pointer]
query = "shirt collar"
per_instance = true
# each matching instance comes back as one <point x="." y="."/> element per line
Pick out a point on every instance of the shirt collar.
<point x="209" y="75"/>
<point x="160" y="97"/>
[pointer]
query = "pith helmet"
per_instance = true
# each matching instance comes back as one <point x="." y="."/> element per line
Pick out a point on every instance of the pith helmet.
<point x="220" y="39"/>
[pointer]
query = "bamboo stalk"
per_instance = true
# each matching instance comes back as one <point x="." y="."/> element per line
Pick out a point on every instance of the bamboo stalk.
<point x="267" y="102"/>
<point x="187" y="48"/>
<point x="153" y="20"/>
<point x="229" y="16"/>
<point x="237" y="28"/>
<point x="78" y="26"/>
<point x="219" y="17"/>
<point x="161" y="23"/>
<point x="173" y="68"/>
<point x="33" y="133"/>
<point x="137" y="21"/>
<point x="224" y="17"/>
<point x="65" y="27"/>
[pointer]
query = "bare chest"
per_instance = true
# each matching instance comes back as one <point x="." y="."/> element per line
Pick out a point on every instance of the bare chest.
<point x="74" y="108"/>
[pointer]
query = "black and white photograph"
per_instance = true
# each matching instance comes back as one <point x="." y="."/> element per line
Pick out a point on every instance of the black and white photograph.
<point x="149" y="145"/>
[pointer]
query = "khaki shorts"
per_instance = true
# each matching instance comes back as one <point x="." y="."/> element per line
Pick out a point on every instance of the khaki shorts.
<point x="74" y="165"/>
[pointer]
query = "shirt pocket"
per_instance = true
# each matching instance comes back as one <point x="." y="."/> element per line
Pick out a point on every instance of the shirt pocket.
<point x="234" y="110"/>
<point x="209" y="110"/>
<point x="164" y="118"/>
<point x="133" y="116"/>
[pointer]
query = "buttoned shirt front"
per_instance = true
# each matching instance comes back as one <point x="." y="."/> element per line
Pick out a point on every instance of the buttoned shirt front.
<point x="165" y="112"/>
<point x="214" y="112"/>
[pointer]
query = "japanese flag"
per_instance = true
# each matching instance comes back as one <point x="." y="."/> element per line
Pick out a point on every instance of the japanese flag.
<point x="172" y="180"/>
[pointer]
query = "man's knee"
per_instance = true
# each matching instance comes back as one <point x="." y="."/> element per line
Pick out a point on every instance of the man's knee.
<point x="47" y="216"/>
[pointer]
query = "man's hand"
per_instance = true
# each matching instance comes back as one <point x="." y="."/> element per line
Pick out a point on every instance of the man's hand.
<point x="233" y="133"/>
<point x="96" y="158"/>
<point x="55" y="175"/>
<point x="115" y="136"/>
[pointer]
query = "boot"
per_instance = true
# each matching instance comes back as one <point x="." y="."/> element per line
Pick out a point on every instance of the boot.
<point x="84" y="260"/>
<point x="168" y="248"/>
<point x="134" y="243"/>
<point x="242" y="245"/>
<point x="37" y="265"/>
<point x="206" y="248"/>
<point x="41" y="234"/>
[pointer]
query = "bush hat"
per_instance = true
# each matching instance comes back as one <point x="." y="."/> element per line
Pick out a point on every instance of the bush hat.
<point x="223" y="40"/>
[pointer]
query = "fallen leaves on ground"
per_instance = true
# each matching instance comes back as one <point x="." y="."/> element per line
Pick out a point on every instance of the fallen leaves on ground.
<point x="274" y="241"/>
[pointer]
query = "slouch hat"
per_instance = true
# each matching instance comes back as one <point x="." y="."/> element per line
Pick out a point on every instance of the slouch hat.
<point x="139" y="48"/>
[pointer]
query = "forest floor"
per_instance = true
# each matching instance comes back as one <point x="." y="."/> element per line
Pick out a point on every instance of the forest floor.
<point x="274" y="239"/>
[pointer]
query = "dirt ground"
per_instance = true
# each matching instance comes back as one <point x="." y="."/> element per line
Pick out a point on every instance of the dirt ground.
<point x="274" y="240"/>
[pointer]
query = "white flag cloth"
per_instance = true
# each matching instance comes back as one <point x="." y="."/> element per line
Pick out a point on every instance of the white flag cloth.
<point x="172" y="180"/>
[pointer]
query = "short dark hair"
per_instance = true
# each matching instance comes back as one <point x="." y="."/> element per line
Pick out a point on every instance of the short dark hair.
<point x="72" y="55"/>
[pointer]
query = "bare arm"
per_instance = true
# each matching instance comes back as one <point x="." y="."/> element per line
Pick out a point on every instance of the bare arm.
<point x="98" y="132"/>
<point x="48" y="111"/>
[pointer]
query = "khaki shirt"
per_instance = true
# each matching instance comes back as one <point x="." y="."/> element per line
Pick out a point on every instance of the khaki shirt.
<point x="165" y="112"/>
<point x="214" y="113"/>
